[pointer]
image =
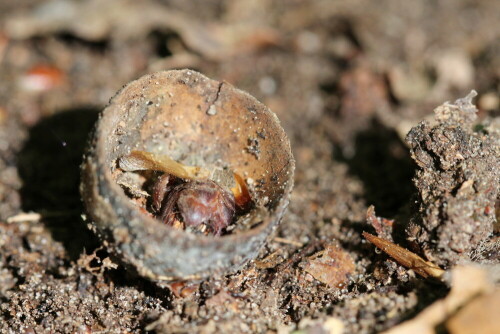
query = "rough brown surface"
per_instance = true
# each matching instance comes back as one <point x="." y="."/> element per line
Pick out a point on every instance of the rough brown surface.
<point x="166" y="113"/>
<point x="347" y="79"/>
<point x="458" y="183"/>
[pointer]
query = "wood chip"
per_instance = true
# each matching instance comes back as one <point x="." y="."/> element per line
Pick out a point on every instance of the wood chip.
<point x="406" y="258"/>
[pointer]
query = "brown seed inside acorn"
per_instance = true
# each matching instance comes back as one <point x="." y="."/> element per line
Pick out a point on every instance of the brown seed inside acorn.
<point x="185" y="198"/>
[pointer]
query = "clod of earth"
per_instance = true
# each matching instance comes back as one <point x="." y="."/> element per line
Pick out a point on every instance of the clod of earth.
<point x="458" y="183"/>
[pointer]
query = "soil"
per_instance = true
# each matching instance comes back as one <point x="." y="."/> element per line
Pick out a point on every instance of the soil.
<point x="348" y="81"/>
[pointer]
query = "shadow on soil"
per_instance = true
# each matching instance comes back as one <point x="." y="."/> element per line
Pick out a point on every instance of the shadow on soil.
<point x="49" y="165"/>
<point x="383" y="163"/>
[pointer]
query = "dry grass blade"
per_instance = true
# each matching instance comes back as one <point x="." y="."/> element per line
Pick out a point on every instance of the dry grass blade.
<point x="406" y="258"/>
<point x="141" y="160"/>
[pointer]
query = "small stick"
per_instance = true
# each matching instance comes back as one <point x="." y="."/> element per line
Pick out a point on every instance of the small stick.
<point x="24" y="217"/>
<point x="406" y="258"/>
<point x="34" y="217"/>
<point x="287" y="241"/>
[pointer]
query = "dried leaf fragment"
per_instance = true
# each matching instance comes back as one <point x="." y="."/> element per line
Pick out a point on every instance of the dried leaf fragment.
<point x="382" y="226"/>
<point x="332" y="266"/>
<point x="467" y="282"/>
<point x="406" y="258"/>
<point x="141" y="160"/>
<point x="182" y="289"/>
<point x="478" y="316"/>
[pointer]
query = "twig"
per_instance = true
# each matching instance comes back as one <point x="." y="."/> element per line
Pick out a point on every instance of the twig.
<point x="287" y="241"/>
<point x="24" y="217"/>
<point x="34" y="217"/>
<point x="406" y="258"/>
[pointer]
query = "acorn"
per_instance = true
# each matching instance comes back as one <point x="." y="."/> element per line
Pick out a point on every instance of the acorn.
<point x="186" y="177"/>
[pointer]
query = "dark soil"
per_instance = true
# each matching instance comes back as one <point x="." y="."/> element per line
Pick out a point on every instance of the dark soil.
<point x="348" y="81"/>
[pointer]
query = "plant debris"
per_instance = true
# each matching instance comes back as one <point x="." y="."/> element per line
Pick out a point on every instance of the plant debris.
<point x="332" y="266"/>
<point x="383" y="226"/>
<point x="468" y="283"/>
<point x="479" y="316"/>
<point x="405" y="257"/>
<point x="141" y="160"/>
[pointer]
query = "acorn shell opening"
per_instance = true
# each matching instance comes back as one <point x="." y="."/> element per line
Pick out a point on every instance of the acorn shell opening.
<point x="198" y="122"/>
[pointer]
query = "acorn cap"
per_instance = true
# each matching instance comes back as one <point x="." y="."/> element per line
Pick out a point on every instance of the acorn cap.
<point x="198" y="122"/>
